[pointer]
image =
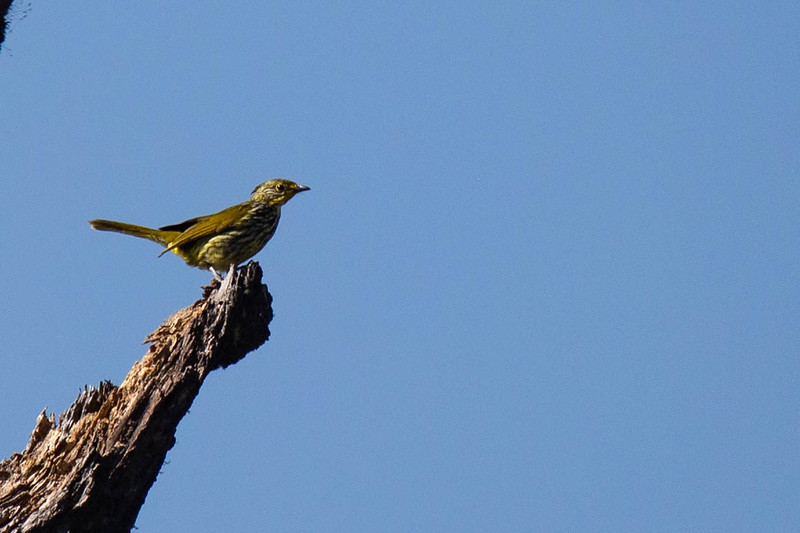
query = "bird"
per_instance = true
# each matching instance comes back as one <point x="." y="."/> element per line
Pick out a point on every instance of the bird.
<point x="222" y="240"/>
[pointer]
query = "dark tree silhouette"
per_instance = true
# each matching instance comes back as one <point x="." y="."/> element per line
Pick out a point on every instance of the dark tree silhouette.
<point x="5" y="7"/>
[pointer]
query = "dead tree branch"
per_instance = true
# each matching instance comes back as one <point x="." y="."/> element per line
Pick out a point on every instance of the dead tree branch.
<point x="91" y="470"/>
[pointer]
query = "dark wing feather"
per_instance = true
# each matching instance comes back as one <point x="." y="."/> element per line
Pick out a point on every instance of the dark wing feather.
<point x="182" y="226"/>
<point x="205" y="226"/>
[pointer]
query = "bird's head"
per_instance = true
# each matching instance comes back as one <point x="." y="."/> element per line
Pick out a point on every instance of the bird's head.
<point x="276" y="192"/>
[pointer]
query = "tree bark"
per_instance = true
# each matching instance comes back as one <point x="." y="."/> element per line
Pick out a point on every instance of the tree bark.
<point x="91" y="470"/>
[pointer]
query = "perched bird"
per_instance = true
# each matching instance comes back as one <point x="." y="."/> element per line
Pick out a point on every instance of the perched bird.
<point x="224" y="239"/>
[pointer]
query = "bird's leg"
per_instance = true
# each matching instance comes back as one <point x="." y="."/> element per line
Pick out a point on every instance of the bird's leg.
<point x="226" y="283"/>
<point x="216" y="274"/>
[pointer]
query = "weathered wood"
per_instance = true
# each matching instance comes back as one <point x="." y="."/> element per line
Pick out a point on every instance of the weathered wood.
<point x="91" y="470"/>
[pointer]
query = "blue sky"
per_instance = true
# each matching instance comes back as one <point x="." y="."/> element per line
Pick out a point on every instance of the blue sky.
<point x="545" y="277"/>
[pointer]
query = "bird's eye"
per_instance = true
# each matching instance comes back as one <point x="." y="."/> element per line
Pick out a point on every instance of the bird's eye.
<point x="279" y="187"/>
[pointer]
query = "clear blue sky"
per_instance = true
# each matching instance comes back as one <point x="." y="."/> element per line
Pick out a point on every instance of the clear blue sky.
<point x="546" y="277"/>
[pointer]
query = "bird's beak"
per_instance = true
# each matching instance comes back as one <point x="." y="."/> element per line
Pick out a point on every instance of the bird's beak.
<point x="301" y="188"/>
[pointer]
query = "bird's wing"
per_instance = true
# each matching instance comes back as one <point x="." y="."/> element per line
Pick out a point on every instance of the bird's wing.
<point x="197" y="228"/>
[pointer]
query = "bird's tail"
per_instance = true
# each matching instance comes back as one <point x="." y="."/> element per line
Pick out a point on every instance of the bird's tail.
<point x="161" y="237"/>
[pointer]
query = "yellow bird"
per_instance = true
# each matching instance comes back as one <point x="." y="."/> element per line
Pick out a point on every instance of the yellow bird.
<point x="224" y="239"/>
